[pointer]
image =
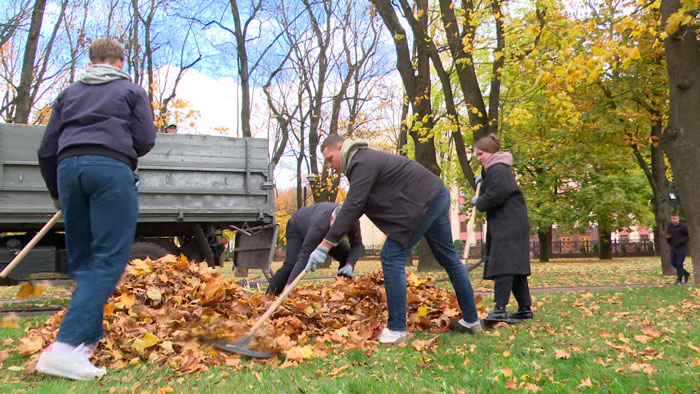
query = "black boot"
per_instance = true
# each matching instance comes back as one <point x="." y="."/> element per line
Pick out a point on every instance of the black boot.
<point x="686" y="276"/>
<point x="498" y="313"/>
<point x="522" y="313"/>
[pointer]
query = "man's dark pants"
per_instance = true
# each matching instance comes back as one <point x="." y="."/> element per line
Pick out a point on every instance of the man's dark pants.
<point x="677" y="257"/>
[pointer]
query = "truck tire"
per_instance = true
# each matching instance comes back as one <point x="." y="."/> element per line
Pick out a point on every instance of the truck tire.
<point x="141" y="250"/>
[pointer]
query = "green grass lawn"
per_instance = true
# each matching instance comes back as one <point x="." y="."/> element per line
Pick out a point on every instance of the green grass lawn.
<point x="625" y="341"/>
<point x="640" y="340"/>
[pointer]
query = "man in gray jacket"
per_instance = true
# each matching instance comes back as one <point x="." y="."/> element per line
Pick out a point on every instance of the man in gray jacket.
<point x="407" y="202"/>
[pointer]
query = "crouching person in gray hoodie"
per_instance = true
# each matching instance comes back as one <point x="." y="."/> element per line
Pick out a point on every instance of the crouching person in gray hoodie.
<point x="99" y="127"/>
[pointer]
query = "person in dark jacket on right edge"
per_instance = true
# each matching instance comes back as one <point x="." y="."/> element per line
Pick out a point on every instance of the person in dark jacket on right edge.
<point x="407" y="202"/>
<point x="507" y="247"/>
<point x="677" y="237"/>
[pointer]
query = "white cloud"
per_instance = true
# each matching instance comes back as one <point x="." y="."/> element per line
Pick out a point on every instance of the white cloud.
<point x="215" y="99"/>
<point x="218" y="104"/>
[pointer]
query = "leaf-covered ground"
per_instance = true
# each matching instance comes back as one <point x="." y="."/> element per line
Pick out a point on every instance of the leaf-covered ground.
<point x="161" y="307"/>
<point x="643" y="340"/>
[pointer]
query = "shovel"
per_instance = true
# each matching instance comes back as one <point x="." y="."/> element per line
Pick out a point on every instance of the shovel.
<point x="4" y="280"/>
<point x="242" y="346"/>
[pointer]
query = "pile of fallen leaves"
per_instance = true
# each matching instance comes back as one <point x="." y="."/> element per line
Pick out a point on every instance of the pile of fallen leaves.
<point x="161" y="307"/>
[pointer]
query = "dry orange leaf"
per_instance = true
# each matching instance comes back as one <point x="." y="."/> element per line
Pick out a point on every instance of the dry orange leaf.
<point x="649" y="330"/>
<point x="29" y="346"/>
<point x="507" y="372"/>
<point x="11" y="320"/>
<point x="642" y="338"/>
<point x="27" y="290"/>
<point x="299" y="353"/>
<point x="338" y="370"/>
<point x="585" y="383"/>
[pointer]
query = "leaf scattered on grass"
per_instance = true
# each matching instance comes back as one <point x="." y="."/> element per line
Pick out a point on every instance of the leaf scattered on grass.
<point x="585" y="383"/>
<point x="28" y="290"/>
<point x="11" y="320"/>
<point x="559" y="354"/>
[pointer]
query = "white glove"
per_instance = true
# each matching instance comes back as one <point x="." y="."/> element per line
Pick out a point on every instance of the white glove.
<point x="346" y="270"/>
<point x="317" y="257"/>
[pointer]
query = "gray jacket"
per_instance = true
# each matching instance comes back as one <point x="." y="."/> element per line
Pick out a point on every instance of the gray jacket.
<point x="393" y="191"/>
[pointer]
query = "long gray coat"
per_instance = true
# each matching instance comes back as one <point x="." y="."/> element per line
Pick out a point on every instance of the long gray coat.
<point x="508" y="233"/>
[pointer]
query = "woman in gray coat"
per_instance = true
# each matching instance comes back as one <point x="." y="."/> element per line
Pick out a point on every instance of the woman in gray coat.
<point x="507" y="236"/>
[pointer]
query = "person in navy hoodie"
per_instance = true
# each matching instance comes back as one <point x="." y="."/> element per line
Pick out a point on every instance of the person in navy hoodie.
<point x="99" y="127"/>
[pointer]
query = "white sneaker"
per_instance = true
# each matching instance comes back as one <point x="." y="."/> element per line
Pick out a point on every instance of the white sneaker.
<point x="74" y="364"/>
<point x="391" y="336"/>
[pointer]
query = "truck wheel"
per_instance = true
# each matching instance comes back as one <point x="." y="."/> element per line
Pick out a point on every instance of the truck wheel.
<point x="141" y="250"/>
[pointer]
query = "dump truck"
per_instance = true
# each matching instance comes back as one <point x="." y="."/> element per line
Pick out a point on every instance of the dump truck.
<point x="192" y="189"/>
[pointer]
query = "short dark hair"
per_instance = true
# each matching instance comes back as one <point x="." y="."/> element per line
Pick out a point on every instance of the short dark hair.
<point x="106" y="50"/>
<point x="675" y="214"/>
<point x="332" y="141"/>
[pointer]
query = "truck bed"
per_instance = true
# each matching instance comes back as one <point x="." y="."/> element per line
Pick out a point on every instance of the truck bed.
<point x="184" y="179"/>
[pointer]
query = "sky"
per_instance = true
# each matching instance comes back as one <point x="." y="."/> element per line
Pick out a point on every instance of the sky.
<point x="218" y="104"/>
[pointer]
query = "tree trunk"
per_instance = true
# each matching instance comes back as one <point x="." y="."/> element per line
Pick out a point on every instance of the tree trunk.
<point x="656" y="176"/>
<point x="403" y="129"/>
<point x="426" y="260"/>
<point x="23" y="101"/>
<point x="242" y="70"/>
<point x="605" y="244"/>
<point x="544" y="234"/>
<point x="681" y="139"/>
<point x="422" y="108"/>
<point x="662" y="206"/>
<point x="300" y="196"/>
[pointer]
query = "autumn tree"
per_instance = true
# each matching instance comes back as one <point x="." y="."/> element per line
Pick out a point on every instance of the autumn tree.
<point x="572" y="119"/>
<point x="633" y="85"/>
<point x="320" y="85"/>
<point x="681" y="138"/>
<point x="23" y="99"/>
<point x="38" y="66"/>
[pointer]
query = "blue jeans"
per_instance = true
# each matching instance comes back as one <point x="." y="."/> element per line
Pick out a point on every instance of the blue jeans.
<point x="100" y="208"/>
<point x="436" y="230"/>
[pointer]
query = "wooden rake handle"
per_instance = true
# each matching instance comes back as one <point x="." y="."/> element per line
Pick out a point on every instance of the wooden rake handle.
<point x="470" y="224"/>
<point x="25" y="251"/>
<point x="277" y="303"/>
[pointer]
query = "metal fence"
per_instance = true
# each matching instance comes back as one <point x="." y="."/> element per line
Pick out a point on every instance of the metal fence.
<point x="588" y="247"/>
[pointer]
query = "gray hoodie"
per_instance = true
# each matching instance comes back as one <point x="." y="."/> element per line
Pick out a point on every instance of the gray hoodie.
<point x="98" y="74"/>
